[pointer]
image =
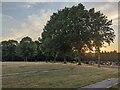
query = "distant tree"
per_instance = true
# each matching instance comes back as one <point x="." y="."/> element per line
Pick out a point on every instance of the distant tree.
<point x="26" y="48"/>
<point x="5" y="52"/>
<point x="39" y="54"/>
<point x="9" y="49"/>
<point x="12" y="44"/>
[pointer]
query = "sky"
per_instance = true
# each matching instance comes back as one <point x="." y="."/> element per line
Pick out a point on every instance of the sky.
<point x="20" y="19"/>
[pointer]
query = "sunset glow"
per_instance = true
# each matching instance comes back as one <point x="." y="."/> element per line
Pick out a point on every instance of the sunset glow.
<point x="91" y="51"/>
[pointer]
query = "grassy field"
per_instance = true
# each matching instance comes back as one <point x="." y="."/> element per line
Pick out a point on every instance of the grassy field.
<point x="65" y="75"/>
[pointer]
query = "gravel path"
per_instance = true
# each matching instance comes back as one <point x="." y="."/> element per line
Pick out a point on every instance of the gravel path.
<point x="101" y="85"/>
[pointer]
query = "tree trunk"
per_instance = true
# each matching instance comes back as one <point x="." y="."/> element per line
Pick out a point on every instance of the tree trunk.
<point x="79" y="60"/>
<point x="98" y="59"/>
<point x="46" y="60"/>
<point x="65" y="61"/>
<point x="11" y="57"/>
<point x="79" y="57"/>
<point x="55" y="57"/>
<point x="26" y="59"/>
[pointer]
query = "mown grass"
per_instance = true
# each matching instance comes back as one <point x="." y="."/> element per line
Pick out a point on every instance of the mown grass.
<point x="72" y="76"/>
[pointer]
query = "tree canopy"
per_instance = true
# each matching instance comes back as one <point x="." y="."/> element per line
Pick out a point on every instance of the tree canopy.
<point x="76" y="27"/>
<point x="9" y="49"/>
<point x="27" y="48"/>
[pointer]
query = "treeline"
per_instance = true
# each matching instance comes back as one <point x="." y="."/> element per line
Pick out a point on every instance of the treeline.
<point x="29" y="50"/>
<point x="105" y="57"/>
<point x="25" y="50"/>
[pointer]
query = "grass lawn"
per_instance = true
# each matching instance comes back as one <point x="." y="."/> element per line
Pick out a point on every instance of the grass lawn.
<point x="67" y="76"/>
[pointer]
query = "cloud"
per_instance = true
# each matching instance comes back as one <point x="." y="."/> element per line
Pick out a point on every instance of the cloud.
<point x="28" y="4"/>
<point x="32" y="27"/>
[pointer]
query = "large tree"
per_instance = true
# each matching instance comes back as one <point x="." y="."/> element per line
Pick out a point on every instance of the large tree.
<point x="76" y="28"/>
